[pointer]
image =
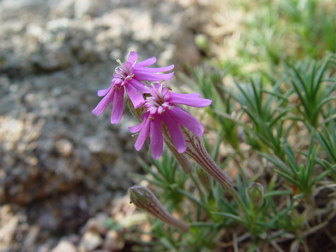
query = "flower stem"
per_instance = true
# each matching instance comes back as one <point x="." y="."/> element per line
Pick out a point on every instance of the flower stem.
<point x="180" y="157"/>
<point x="197" y="185"/>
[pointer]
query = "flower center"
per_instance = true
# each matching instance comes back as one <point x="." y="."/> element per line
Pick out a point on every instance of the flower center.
<point x="123" y="73"/>
<point x="158" y="102"/>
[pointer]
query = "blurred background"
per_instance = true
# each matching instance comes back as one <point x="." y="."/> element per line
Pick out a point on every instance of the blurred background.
<point x="63" y="171"/>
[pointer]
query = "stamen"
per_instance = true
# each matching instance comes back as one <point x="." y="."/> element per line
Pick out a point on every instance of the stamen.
<point x="135" y="134"/>
<point x="124" y="72"/>
<point x="116" y="69"/>
<point x="129" y="77"/>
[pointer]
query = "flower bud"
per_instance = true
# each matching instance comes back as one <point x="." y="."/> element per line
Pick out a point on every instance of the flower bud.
<point x="197" y="151"/>
<point x="255" y="194"/>
<point x="146" y="200"/>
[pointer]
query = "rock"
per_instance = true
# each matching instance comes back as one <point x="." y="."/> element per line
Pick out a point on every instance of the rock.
<point x="59" y="164"/>
<point x="98" y="223"/>
<point x="84" y="7"/>
<point x="113" y="241"/>
<point x="64" y="246"/>
<point x="32" y="236"/>
<point x="90" y="241"/>
<point x="64" y="147"/>
<point x="8" y="225"/>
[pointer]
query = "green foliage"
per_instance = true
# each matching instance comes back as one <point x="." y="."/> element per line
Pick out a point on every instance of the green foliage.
<point x="166" y="176"/>
<point x="209" y="82"/>
<point x="308" y="82"/>
<point x="271" y="32"/>
<point x="266" y="114"/>
<point x="278" y="128"/>
<point x="270" y="115"/>
<point x="298" y="175"/>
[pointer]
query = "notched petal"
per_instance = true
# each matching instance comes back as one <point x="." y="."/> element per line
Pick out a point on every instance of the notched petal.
<point x="133" y="56"/>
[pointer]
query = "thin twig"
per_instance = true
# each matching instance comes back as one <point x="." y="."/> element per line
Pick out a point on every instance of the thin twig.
<point x="333" y="239"/>
<point x="239" y="239"/>
<point x="304" y="234"/>
<point x="295" y="246"/>
<point x="315" y="228"/>
<point x="276" y="246"/>
<point x="235" y="242"/>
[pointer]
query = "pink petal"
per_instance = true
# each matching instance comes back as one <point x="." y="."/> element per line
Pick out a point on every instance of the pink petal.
<point x="156" y="143"/>
<point x="187" y="120"/>
<point x="176" y="135"/>
<point x="193" y="95"/>
<point x="144" y="76"/>
<point x="138" y="127"/>
<point x="138" y="85"/>
<point x="135" y="96"/>
<point x="188" y="100"/>
<point x="143" y="135"/>
<point x="118" y="106"/>
<point x="154" y="70"/>
<point x="146" y="62"/>
<point x="102" y="105"/>
<point x="103" y="92"/>
<point x="133" y="56"/>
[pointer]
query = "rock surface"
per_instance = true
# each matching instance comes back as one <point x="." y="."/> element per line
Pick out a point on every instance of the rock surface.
<point x="59" y="165"/>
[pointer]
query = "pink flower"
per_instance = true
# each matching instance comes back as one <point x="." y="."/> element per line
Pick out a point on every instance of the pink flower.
<point x="161" y="108"/>
<point x="129" y="76"/>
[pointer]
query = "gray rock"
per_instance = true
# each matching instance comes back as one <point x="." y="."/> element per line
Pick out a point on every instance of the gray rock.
<point x="64" y="246"/>
<point x="59" y="164"/>
<point x="113" y="241"/>
<point x="91" y="240"/>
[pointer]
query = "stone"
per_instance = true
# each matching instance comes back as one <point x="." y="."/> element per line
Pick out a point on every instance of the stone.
<point x="90" y="241"/>
<point x="98" y="223"/>
<point x="60" y="166"/>
<point x="64" y="246"/>
<point x="113" y="241"/>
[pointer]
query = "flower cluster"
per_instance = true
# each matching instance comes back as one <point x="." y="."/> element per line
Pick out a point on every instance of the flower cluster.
<point x="129" y="76"/>
<point x="163" y="119"/>
<point x="162" y="108"/>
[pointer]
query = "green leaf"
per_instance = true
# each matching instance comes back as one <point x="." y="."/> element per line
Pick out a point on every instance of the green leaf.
<point x="231" y="216"/>
<point x="191" y="197"/>
<point x="278" y="192"/>
<point x="288" y="178"/>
